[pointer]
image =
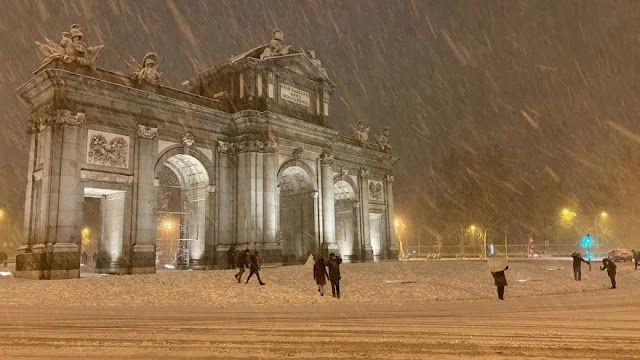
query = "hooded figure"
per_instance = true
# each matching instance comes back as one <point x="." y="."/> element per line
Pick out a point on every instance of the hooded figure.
<point x="320" y="274"/>
<point x="611" y="271"/>
<point x="577" y="265"/>
<point x="501" y="281"/>
<point x="636" y="258"/>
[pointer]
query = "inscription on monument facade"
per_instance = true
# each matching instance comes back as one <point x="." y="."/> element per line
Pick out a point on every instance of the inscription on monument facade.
<point x="107" y="149"/>
<point x="294" y="95"/>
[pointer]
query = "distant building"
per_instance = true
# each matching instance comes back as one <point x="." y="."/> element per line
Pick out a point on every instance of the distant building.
<point x="246" y="156"/>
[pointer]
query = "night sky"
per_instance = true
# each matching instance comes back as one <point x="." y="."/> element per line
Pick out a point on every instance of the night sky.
<point x="552" y="86"/>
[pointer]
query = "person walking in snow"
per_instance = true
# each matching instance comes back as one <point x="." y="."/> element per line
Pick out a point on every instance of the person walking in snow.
<point x="636" y="258"/>
<point x="500" y="281"/>
<point x="577" y="265"/>
<point x="611" y="270"/>
<point x="334" y="274"/>
<point x="254" y="267"/>
<point x="320" y="274"/>
<point x="242" y="261"/>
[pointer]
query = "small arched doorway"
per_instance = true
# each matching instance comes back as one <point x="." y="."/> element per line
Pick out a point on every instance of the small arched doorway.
<point x="183" y="198"/>
<point x="297" y="214"/>
<point x="346" y="219"/>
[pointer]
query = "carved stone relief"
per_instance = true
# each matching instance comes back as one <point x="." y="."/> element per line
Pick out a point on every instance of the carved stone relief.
<point x="147" y="132"/>
<point x="267" y="146"/>
<point x="188" y="139"/>
<point x="107" y="149"/>
<point x="375" y="190"/>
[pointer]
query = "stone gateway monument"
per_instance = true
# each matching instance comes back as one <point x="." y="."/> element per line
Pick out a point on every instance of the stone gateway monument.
<point x="245" y="156"/>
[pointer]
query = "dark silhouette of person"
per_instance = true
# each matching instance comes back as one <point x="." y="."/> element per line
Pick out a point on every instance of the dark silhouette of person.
<point x="611" y="271"/>
<point x="636" y="259"/>
<point x="500" y="281"/>
<point x="320" y="274"/>
<point x="242" y="261"/>
<point x="4" y="258"/>
<point x="334" y="274"/>
<point x="577" y="265"/>
<point x="254" y="267"/>
<point x="84" y="258"/>
<point x="94" y="258"/>
<point x="230" y="257"/>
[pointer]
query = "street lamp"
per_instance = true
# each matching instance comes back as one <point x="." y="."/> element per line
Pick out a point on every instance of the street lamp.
<point x="595" y="225"/>
<point x="400" y="227"/>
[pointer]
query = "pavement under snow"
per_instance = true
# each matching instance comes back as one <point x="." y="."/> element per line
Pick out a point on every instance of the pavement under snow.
<point x="391" y="310"/>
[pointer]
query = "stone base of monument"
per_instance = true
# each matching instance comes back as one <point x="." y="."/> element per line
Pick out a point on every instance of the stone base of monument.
<point x="48" y="262"/>
<point x="143" y="260"/>
<point x="220" y="259"/>
<point x="393" y="254"/>
<point x="366" y="254"/>
<point x="107" y="265"/>
<point x="200" y="264"/>
<point x="270" y="253"/>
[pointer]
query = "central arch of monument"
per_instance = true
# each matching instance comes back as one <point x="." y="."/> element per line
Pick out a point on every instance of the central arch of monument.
<point x="245" y="156"/>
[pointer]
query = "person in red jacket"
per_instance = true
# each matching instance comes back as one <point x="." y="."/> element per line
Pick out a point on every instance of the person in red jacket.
<point x="320" y="274"/>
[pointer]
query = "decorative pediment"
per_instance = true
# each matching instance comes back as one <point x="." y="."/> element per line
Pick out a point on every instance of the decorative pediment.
<point x="300" y="64"/>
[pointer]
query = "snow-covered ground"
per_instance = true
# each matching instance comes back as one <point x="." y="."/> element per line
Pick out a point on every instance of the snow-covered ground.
<point x="375" y="283"/>
<point x="399" y="310"/>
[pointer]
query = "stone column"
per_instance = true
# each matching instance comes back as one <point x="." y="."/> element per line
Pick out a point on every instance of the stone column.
<point x="272" y="252"/>
<point x="144" y="252"/>
<point x="367" y="250"/>
<point x="111" y="259"/>
<point x="226" y="203"/>
<point x="391" y="230"/>
<point x="328" y="204"/>
<point x="251" y="195"/>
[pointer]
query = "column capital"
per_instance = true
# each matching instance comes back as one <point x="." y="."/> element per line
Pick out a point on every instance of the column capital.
<point x="225" y="147"/>
<point x="364" y="173"/>
<point x="147" y="132"/>
<point x="389" y="178"/>
<point x="326" y="158"/>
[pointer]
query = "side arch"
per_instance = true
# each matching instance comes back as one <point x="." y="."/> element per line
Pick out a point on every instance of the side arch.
<point x="349" y="180"/>
<point x="303" y="166"/>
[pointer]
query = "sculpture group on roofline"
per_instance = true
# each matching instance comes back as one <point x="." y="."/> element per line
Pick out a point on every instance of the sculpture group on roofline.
<point x="72" y="49"/>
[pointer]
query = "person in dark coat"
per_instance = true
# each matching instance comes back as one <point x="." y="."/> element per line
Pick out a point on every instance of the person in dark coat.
<point x="4" y="258"/>
<point x="334" y="274"/>
<point x="611" y="271"/>
<point x="501" y="281"/>
<point x="636" y="258"/>
<point x="231" y="263"/>
<point x="242" y="261"/>
<point x="84" y="258"/>
<point x="254" y="267"/>
<point x="320" y="274"/>
<point x="577" y="265"/>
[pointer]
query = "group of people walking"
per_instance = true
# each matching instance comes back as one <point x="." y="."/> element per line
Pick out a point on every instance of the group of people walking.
<point x="249" y="259"/>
